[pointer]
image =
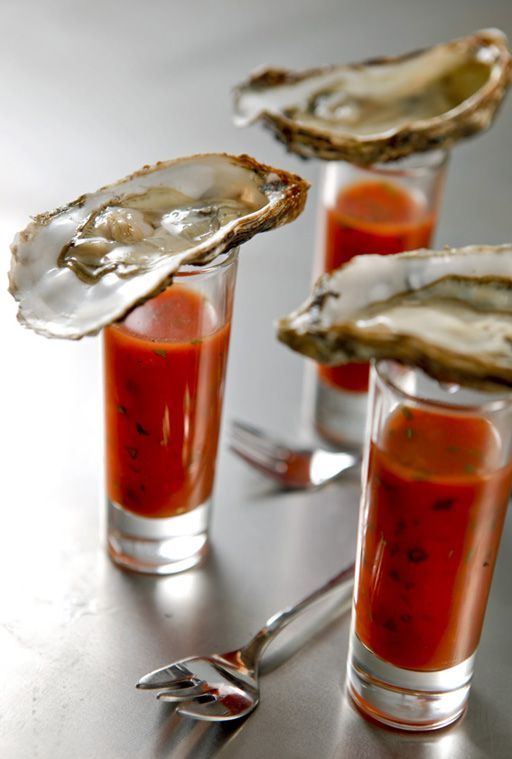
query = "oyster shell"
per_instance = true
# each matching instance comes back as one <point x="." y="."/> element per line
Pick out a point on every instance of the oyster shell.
<point x="83" y="266"/>
<point x="447" y="311"/>
<point x="386" y="108"/>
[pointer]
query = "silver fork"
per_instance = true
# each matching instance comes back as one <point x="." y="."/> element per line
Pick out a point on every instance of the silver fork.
<point x="224" y="687"/>
<point x="294" y="468"/>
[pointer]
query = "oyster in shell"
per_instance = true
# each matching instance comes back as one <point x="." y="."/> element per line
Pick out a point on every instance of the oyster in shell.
<point x="83" y="266"/>
<point x="447" y="311"/>
<point x="386" y="108"/>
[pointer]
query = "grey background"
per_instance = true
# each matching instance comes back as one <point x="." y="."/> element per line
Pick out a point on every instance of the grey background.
<point x="90" y="91"/>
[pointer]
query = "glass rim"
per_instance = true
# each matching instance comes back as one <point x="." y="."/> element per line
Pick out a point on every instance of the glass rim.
<point x="490" y="406"/>
<point x="415" y="164"/>
<point x="222" y="261"/>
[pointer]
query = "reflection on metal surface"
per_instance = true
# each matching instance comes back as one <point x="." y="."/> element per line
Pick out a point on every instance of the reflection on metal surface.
<point x="179" y="588"/>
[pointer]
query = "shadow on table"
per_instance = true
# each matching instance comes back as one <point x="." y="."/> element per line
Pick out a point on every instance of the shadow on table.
<point x="480" y="734"/>
<point x="488" y="729"/>
<point x="165" y="604"/>
<point x="183" y="738"/>
<point x="182" y="601"/>
<point x="190" y="598"/>
<point x="175" y="736"/>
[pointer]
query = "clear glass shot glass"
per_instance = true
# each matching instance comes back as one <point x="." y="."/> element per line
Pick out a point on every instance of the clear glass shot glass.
<point x="437" y="476"/>
<point x="385" y="208"/>
<point x="164" y="368"/>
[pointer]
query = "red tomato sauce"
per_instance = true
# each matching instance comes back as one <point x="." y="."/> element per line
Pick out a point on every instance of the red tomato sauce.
<point x="370" y="217"/>
<point x="434" y="521"/>
<point x="164" y="381"/>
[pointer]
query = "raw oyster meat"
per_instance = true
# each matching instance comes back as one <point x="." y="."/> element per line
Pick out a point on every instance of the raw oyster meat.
<point x="446" y="311"/>
<point x="81" y="267"/>
<point x="386" y="108"/>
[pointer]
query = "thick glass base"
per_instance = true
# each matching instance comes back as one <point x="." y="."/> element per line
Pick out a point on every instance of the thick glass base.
<point x="157" y="546"/>
<point x="404" y="698"/>
<point x="340" y="415"/>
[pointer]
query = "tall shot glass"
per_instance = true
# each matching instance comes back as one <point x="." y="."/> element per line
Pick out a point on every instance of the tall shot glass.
<point x="164" y="380"/>
<point x="385" y="208"/>
<point x="436" y="482"/>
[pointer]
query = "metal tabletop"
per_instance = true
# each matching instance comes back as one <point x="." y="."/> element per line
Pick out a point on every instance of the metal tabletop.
<point x="91" y="91"/>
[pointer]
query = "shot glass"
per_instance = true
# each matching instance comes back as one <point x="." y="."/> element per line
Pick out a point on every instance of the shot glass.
<point x="437" y="476"/>
<point x="164" y="367"/>
<point x="386" y="208"/>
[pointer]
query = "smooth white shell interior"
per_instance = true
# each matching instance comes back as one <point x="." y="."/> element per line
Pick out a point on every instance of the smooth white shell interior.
<point x="56" y="302"/>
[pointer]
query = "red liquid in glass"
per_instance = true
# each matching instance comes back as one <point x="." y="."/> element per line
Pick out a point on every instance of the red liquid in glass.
<point x="434" y="521"/>
<point x="370" y="217"/>
<point x="164" y="380"/>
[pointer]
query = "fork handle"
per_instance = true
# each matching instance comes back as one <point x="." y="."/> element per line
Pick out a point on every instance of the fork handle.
<point x="277" y="622"/>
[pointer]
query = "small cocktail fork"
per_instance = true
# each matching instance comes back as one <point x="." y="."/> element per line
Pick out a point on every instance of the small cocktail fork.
<point x="225" y="686"/>
<point x="293" y="468"/>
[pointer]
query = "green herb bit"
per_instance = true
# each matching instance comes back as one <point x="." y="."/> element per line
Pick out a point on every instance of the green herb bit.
<point x="469" y="555"/>
<point x="141" y="430"/>
<point x="452" y="449"/>
<point x="407" y="413"/>
<point x="422" y="475"/>
<point x="391" y="189"/>
<point x="159" y="352"/>
<point x="196" y="341"/>
<point x="122" y="409"/>
<point x="409" y="433"/>
<point x="469" y="468"/>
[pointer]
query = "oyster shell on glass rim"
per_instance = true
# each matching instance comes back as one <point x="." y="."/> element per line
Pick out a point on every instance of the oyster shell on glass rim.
<point x="385" y="108"/>
<point x="85" y="265"/>
<point x="447" y="311"/>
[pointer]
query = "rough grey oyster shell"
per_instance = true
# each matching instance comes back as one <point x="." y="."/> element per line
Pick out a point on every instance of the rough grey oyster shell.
<point x="81" y="267"/>
<point x="446" y="311"/>
<point x="385" y="108"/>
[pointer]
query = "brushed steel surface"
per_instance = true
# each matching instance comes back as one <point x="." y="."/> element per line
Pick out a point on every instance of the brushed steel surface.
<point x="90" y="91"/>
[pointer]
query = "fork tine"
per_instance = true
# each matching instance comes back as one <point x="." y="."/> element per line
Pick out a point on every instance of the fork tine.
<point x="257" y="440"/>
<point x="266" y="459"/>
<point x="213" y="710"/>
<point x="263" y="462"/>
<point x="173" y="674"/>
<point x="183" y="694"/>
<point x="270" y="467"/>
